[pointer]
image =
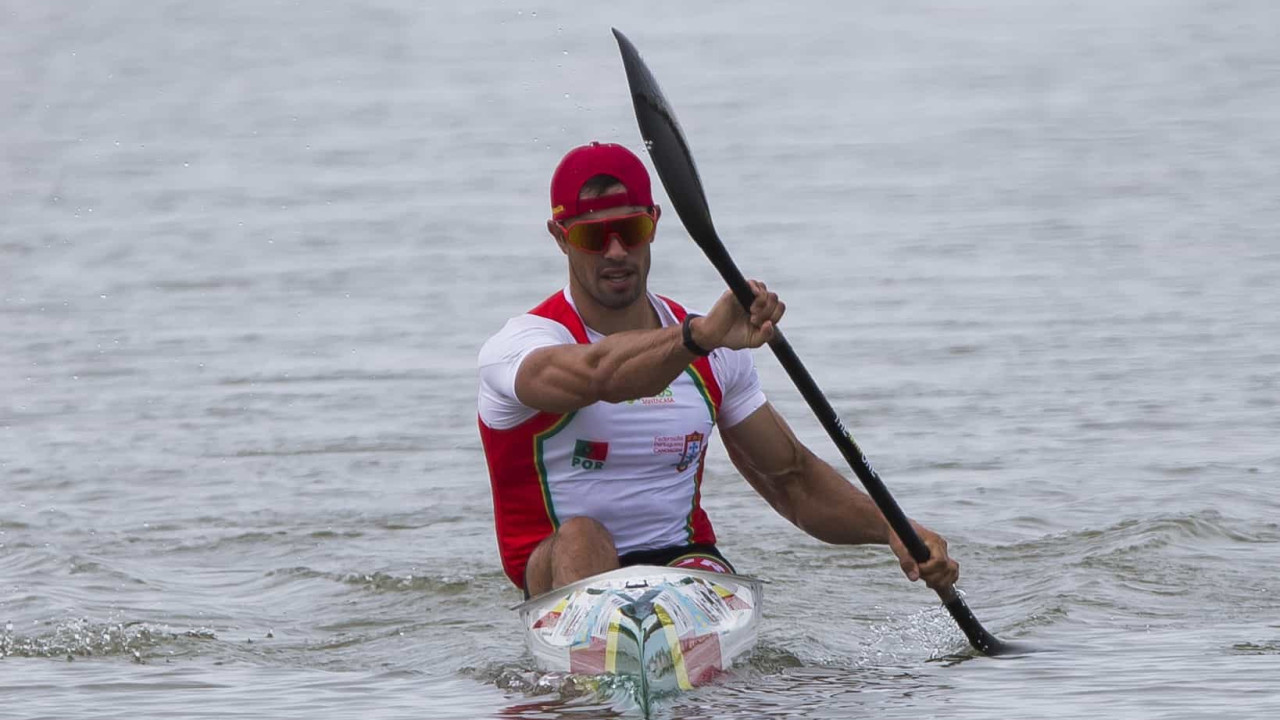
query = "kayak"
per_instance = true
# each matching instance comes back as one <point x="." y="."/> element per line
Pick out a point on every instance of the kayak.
<point x="670" y="629"/>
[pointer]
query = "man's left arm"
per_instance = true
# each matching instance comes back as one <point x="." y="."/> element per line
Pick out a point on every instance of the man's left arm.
<point x="809" y="493"/>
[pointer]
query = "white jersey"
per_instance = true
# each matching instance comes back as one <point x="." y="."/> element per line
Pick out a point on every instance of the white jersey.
<point x="634" y="466"/>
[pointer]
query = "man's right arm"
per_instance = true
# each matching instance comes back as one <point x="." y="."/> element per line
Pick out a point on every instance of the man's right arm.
<point x="622" y="366"/>
<point x="638" y="363"/>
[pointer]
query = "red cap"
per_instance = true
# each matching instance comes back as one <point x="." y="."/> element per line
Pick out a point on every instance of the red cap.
<point x="585" y="162"/>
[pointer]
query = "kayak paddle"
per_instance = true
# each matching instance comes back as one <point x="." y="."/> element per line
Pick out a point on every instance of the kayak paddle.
<point x="670" y="153"/>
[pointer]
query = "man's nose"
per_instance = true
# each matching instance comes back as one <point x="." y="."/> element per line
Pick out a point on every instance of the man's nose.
<point x="614" y="248"/>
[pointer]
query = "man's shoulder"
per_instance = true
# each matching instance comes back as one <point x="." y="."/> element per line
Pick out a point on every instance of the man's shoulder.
<point x="544" y="324"/>
<point x="555" y="307"/>
<point x="525" y="329"/>
<point x="549" y="311"/>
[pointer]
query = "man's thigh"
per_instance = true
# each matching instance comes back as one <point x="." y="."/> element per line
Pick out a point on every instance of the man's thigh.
<point x="537" y="572"/>
<point x="581" y="546"/>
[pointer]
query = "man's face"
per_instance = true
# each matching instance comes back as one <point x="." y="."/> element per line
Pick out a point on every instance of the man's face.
<point x="615" y="278"/>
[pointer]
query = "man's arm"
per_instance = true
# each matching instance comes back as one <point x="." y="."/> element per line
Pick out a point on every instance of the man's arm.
<point x="622" y="366"/>
<point x="639" y="363"/>
<point x="807" y="491"/>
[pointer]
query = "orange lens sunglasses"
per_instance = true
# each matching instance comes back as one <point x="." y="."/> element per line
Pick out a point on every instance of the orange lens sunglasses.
<point x="593" y="235"/>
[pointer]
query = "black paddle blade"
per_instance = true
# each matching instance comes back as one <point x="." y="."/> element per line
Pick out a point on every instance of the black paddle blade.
<point x="666" y="144"/>
<point x="981" y="640"/>
<point x="670" y="154"/>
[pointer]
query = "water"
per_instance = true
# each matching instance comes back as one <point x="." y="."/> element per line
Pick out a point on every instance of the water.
<point x="248" y="251"/>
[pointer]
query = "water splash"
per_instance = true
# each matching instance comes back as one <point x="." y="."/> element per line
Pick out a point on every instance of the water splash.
<point x="83" y="638"/>
<point x="556" y="690"/>
<point x="930" y="631"/>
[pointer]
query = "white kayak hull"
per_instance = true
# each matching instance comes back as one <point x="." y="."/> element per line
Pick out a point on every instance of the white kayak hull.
<point x="670" y="628"/>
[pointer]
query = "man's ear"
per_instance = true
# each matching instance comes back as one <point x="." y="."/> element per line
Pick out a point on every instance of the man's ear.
<point x="657" y="212"/>
<point x="554" y="229"/>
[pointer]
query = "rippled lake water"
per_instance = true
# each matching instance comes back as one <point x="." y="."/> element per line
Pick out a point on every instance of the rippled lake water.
<point x="248" y="252"/>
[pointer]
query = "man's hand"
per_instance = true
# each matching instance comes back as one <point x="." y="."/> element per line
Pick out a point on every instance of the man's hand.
<point x="940" y="572"/>
<point x="729" y="326"/>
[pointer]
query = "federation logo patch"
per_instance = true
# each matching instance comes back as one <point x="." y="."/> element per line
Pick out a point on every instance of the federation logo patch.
<point x="668" y="445"/>
<point x="590" y="455"/>
<point x="693" y="447"/>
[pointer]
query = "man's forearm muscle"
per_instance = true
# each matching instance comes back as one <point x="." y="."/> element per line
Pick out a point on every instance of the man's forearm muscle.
<point x="802" y="487"/>
<point x="831" y="509"/>
<point x="622" y="366"/>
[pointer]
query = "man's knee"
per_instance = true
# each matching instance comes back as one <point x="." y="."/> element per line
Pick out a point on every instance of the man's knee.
<point x="581" y="546"/>
<point x="572" y="535"/>
<point x="584" y="529"/>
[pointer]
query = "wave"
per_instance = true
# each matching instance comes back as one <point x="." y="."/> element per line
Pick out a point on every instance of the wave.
<point x="379" y="581"/>
<point x="1150" y="570"/>
<point x="1133" y="534"/>
<point x="80" y="637"/>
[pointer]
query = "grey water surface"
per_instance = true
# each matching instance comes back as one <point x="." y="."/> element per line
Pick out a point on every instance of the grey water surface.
<point x="249" y="249"/>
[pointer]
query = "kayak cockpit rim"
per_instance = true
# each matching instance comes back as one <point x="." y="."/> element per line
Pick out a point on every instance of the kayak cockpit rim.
<point x="642" y="571"/>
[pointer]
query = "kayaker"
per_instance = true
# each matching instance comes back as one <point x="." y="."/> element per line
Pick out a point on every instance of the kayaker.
<point x="596" y="408"/>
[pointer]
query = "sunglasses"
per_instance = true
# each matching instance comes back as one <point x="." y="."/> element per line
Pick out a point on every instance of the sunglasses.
<point x="593" y="236"/>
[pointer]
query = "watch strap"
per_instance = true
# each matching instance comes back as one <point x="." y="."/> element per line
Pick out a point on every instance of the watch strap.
<point x="686" y="331"/>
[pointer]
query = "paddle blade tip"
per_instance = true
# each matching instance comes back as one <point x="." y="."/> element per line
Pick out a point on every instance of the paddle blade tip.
<point x="668" y="149"/>
<point x="1006" y="649"/>
<point x="623" y="41"/>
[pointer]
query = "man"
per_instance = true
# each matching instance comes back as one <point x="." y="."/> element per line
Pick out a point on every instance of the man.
<point x="596" y="408"/>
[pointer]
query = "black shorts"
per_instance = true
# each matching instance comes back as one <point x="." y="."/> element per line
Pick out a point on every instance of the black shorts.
<point x="695" y="557"/>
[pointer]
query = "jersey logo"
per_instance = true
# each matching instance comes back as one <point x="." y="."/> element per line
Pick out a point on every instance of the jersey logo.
<point x="668" y="445"/>
<point x="692" y="449"/>
<point x="589" y="455"/>
<point x="666" y="397"/>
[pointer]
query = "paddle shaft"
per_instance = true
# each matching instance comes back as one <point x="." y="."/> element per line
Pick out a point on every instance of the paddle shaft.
<point x="808" y="388"/>
<point x="804" y="382"/>
<point x="674" y="163"/>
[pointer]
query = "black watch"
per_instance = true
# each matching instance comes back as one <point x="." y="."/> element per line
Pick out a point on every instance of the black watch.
<point x="686" y="330"/>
